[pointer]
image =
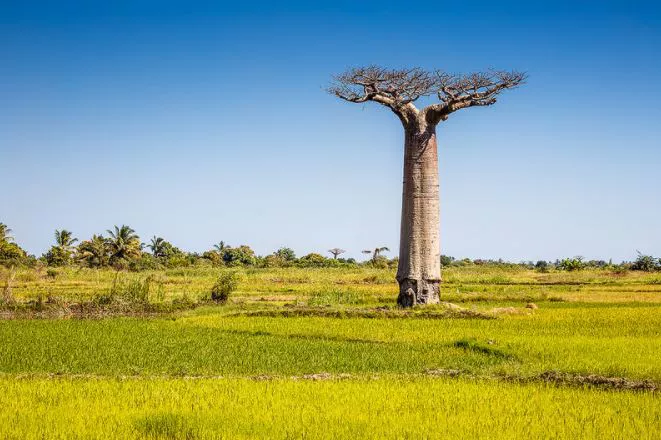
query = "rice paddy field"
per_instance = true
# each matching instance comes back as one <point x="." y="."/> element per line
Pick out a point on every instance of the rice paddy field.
<point x="324" y="353"/>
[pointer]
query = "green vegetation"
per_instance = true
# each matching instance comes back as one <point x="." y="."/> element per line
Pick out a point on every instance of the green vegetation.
<point x="122" y="249"/>
<point x="225" y="285"/>
<point x="287" y="347"/>
<point x="387" y="407"/>
<point x="609" y="341"/>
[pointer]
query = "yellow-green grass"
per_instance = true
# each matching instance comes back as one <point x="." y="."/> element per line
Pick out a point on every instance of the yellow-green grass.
<point x="589" y="322"/>
<point x="606" y="340"/>
<point x="371" y="286"/>
<point x="387" y="407"/>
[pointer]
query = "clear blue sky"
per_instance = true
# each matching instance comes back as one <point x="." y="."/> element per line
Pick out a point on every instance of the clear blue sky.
<point x="202" y="122"/>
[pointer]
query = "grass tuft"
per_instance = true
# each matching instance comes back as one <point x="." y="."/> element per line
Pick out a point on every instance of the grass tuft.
<point x="166" y="425"/>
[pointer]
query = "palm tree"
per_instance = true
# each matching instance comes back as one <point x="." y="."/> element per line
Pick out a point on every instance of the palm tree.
<point x="94" y="252"/>
<point x="64" y="239"/>
<point x="220" y="247"/>
<point x="157" y="246"/>
<point x="123" y="243"/>
<point x="4" y="233"/>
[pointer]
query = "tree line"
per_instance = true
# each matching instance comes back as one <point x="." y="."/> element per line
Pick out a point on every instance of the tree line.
<point x="121" y="248"/>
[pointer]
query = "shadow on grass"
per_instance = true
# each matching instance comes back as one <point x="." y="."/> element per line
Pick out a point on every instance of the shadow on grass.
<point x="374" y="313"/>
<point x="472" y="345"/>
<point x="295" y="336"/>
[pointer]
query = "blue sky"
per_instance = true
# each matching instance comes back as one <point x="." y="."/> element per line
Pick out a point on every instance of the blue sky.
<point x="202" y="122"/>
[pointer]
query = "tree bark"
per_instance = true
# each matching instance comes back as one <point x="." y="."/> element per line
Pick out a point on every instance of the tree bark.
<point x="419" y="270"/>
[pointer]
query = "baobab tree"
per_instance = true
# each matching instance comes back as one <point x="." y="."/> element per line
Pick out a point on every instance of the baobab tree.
<point x="376" y="253"/>
<point x="336" y="252"/>
<point x="419" y="270"/>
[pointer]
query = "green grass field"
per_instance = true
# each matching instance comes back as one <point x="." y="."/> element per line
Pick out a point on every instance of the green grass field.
<point x="323" y="353"/>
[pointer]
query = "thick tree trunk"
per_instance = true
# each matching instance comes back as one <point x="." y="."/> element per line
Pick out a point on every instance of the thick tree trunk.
<point x="419" y="270"/>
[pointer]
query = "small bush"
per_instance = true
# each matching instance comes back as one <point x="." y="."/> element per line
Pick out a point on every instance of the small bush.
<point x="571" y="264"/>
<point x="316" y="260"/>
<point x="621" y="269"/>
<point x="239" y="256"/>
<point x="11" y="254"/>
<point x="57" y="256"/>
<point x="542" y="266"/>
<point x="144" y="262"/>
<point x="646" y="263"/>
<point x="380" y="262"/>
<point x="446" y="260"/>
<point x="224" y="286"/>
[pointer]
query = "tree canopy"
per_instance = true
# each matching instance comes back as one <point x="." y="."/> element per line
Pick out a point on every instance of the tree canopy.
<point x="399" y="89"/>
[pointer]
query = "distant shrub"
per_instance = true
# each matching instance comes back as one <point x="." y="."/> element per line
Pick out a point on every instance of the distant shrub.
<point x="272" y="261"/>
<point x="380" y="262"/>
<point x="571" y="264"/>
<point x="316" y="260"/>
<point x="542" y="266"/>
<point x="52" y="273"/>
<point x="202" y="263"/>
<point x="393" y="263"/>
<point x="214" y="257"/>
<point x="180" y="260"/>
<point x="446" y="260"/>
<point x="58" y="256"/>
<point x="285" y="253"/>
<point x="597" y="264"/>
<point x="621" y="269"/>
<point x="646" y="263"/>
<point x="11" y="254"/>
<point x="144" y="262"/>
<point x="224" y="286"/>
<point x="94" y="252"/>
<point x="238" y="256"/>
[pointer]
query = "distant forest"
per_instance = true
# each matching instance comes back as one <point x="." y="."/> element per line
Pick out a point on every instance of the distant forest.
<point x="122" y="249"/>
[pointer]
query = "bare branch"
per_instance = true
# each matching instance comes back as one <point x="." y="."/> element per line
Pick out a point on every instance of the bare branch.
<point x="476" y="89"/>
<point x="399" y="89"/>
<point x="396" y="89"/>
<point x="336" y="251"/>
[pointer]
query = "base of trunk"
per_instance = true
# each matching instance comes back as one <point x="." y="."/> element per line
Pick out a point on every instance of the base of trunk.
<point x="412" y="292"/>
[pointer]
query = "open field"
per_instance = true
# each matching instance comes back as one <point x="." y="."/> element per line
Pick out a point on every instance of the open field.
<point x="389" y="407"/>
<point x="319" y="353"/>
